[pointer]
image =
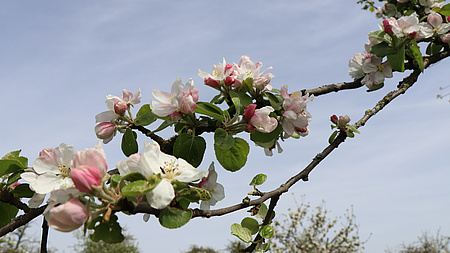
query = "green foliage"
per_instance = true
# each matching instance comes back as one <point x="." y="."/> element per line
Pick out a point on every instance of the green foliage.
<point x="233" y="159"/>
<point x="109" y="232"/>
<point x="190" y="148"/>
<point x="129" y="143"/>
<point x="141" y="187"/>
<point x="243" y="233"/>
<point x="209" y="110"/>
<point x="174" y="218"/>
<point x="199" y="249"/>
<point x="222" y="139"/>
<point x="144" y="116"/>
<point x="258" y="179"/>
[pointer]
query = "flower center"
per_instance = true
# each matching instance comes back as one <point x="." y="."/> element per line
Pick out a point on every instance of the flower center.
<point x="380" y="67"/>
<point x="170" y="170"/>
<point x="216" y="73"/>
<point x="65" y="171"/>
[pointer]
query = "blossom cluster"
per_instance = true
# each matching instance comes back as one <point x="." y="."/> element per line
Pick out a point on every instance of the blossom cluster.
<point x="233" y="75"/>
<point x="398" y="30"/>
<point x="70" y="176"/>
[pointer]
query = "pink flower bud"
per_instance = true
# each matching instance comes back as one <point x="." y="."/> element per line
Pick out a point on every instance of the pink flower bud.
<point x="446" y="38"/>
<point x="84" y="177"/>
<point x="68" y="217"/>
<point x="334" y="119"/>
<point x="448" y="19"/>
<point x="211" y="82"/>
<point x="249" y="111"/>
<point x="343" y="120"/>
<point x="105" y="130"/>
<point x="230" y="81"/>
<point x="387" y="26"/>
<point x="120" y="107"/>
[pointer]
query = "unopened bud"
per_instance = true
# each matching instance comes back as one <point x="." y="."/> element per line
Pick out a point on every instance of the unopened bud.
<point x="68" y="217"/>
<point x="120" y="107"/>
<point x="212" y="82"/>
<point x="105" y="130"/>
<point x="334" y="119"/>
<point x="343" y="120"/>
<point x="85" y="177"/>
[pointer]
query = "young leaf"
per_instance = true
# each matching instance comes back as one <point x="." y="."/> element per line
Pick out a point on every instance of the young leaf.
<point x="174" y="218"/>
<point x="129" y="143"/>
<point x="274" y="102"/>
<point x="397" y="60"/>
<point x="138" y="188"/>
<point x="241" y="232"/>
<point x="258" y="179"/>
<point x="416" y="54"/>
<point x="210" y="110"/>
<point x="433" y="48"/>
<point x="259" y="137"/>
<point x="445" y="10"/>
<point x="382" y="49"/>
<point x="223" y="139"/>
<point x="266" y="232"/>
<point x="144" y="116"/>
<point x="251" y="224"/>
<point x="22" y="191"/>
<point x="8" y="212"/>
<point x="332" y="137"/>
<point x="109" y="232"/>
<point x="190" y="148"/>
<point x="233" y="159"/>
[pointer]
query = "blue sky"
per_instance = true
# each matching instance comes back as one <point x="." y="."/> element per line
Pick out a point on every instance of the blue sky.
<point x="60" y="59"/>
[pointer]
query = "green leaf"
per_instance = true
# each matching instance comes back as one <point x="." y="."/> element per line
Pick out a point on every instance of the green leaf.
<point x="251" y="224"/>
<point x="235" y="99"/>
<point x="353" y="128"/>
<point x="8" y="213"/>
<point x="350" y="134"/>
<point x="190" y="148"/>
<point x="233" y="159"/>
<point x="332" y="137"/>
<point x="210" y="110"/>
<point x="144" y="116"/>
<point x="10" y="166"/>
<point x="258" y="179"/>
<point x="266" y="140"/>
<point x="262" y="247"/>
<point x="22" y="191"/>
<point x="397" y="60"/>
<point x="223" y="139"/>
<point x="381" y="35"/>
<point x="262" y="212"/>
<point x="445" y="10"/>
<point x="266" y="232"/>
<point x="244" y="234"/>
<point x="414" y="51"/>
<point x="433" y="48"/>
<point x="215" y="99"/>
<point x="194" y="194"/>
<point x="12" y="162"/>
<point x="382" y="49"/>
<point x="129" y="143"/>
<point x="137" y="188"/>
<point x="115" y="179"/>
<point x="109" y="232"/>
<point x="247" y="84"/>
<point x="274" y="102"/>
<point x="174" y="218"/>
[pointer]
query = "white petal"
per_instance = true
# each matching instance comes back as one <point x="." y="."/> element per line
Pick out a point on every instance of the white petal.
<point x="162" y="195"/>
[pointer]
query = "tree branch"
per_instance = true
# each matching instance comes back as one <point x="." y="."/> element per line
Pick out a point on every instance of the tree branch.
<point x="22" y="220"/>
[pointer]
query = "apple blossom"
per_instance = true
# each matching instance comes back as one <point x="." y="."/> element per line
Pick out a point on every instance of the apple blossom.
<point x="68" y="216"/>
<point x="295" y="116"/>
<point x="182" y="98"/>
<point x="355" y="64"/>
<point x="435" y="26"/>
<point x="92" y="157"/>
<point x="259" y="119"/>
<point x="210" y="183"/>
<point x="51" y="170"/>
<point x="247" y="68"/>
<point x="85" y="177"/>
<point x="108" y="121"/>
<point x="406" y="26"/>
<point x="105" y="131"/>
<point x="221" y="73"/>
<point x="153" y="161"/>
